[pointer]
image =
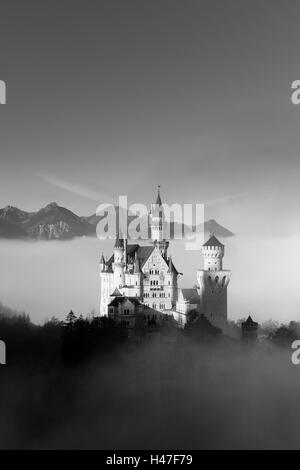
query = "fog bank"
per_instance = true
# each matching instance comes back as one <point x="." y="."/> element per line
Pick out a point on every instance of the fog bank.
<point x="50" y="278"/>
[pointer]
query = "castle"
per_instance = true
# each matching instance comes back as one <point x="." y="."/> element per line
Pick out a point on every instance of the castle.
<point x="139" y="282"/>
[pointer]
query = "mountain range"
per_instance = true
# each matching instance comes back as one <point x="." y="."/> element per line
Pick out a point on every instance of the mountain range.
<point x="54" y="222"/>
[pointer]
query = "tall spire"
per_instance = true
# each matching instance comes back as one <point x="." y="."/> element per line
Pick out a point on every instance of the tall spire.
<point x="158" y="199"/>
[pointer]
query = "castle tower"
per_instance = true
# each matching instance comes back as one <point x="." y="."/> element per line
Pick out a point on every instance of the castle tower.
<point x="249" y="329"/>
<point x="157" y="225"/>
<point x="213" y="281"/>
<point x="119" y="263"/>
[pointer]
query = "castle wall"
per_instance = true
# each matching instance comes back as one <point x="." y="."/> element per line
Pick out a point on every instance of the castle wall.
<point x="106" y="288"/>
<point x="159" y="286"/>
<point x="213" y="295"/>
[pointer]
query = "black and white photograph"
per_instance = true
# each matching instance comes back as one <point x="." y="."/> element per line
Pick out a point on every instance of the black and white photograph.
<point x="149" y="227"/>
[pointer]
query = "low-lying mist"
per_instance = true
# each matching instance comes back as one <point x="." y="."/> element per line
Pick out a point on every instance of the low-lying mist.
<point x="50" y="278"/>
<point x="160" y="395"/>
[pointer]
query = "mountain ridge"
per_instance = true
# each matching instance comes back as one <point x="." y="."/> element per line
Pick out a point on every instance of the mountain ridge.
<point x="54" y="222"/>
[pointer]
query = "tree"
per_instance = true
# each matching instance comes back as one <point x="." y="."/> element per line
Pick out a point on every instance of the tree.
<point x="71" y="318"/>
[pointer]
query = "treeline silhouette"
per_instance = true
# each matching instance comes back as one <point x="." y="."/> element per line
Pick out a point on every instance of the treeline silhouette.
<point x="77" y="338"/>
<point x="70" y="341"/>
<point x="82" y="383"/>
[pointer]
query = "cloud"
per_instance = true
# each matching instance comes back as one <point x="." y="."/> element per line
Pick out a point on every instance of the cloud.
<point x="75" y="188"/>
<point x="227" y="198"/>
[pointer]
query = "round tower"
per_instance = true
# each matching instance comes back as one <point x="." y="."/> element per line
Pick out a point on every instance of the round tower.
<point x="119" y="263"/>
<point x="157" y="225"/>
<point x="157" y="219"/>
<point x="212" y="282"/>
<point x="213" y="253"/>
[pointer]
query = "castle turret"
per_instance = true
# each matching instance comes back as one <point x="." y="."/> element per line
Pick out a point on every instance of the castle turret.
<point x="213" y="253"/>
<point x="157" y="225"/>
<point x="213" y="281"/>
<point x="249" y="329"/>
<point x="119" y="263"/>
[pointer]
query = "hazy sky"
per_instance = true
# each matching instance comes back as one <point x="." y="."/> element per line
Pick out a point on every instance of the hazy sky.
<point x="116" y="96"/>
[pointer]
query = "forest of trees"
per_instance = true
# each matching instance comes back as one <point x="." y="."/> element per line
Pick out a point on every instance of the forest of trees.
<point x="82" y="383"/>
<point x="76" y="338"/>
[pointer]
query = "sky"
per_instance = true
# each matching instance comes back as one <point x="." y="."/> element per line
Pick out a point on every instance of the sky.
<point x="114" y="97"/>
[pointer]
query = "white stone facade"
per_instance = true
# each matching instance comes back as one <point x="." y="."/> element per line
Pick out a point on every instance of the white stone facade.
<point x="145" y="272"/>
<point x="148" y="274"/>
